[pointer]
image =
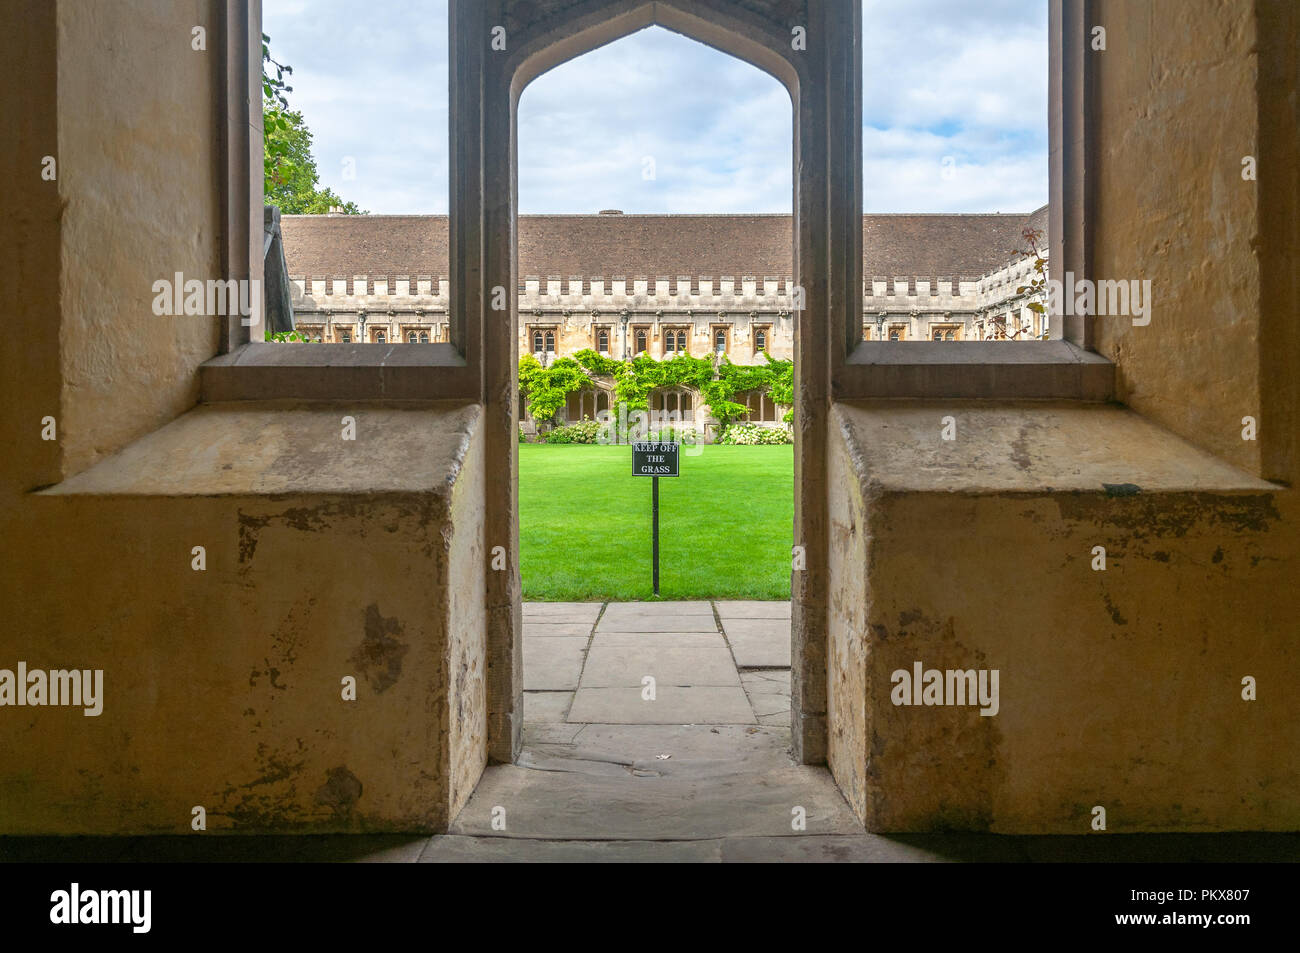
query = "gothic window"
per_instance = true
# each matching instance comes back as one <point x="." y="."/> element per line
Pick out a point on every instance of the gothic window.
<point x="897" y="332"/>
<point x="759" y="405"/>
<point x="760" y="340"/>
<point x="550" y="342"/>
<point x="537" y="342"/>
<point x="345" y="337"/>
<point x="673" y="406"/>
<point x="681" y="341"/>
<point x="602" y="341"/>
<point x="640" y="341"/>
<point x="670" y="341"/>
<point x="381" y="337"/>
<point x="585" y="404"/>
<point x="720" y="340"/>
<point x="411" y="337"/>
<point x="424" y="337"/>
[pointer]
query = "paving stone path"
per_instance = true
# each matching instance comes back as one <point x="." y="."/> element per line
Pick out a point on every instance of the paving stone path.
<point x="713" y="663"/>
<point x="655" y="731"/>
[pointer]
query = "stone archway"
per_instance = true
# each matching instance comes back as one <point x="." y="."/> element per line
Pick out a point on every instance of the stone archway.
<point x="814" y="50"/>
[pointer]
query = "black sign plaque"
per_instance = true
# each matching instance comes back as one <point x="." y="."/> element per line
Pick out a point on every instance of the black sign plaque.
<point x="656" y="459"/>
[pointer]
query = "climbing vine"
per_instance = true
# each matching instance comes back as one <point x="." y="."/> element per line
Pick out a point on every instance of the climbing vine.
<point x="547" y="387"/>
<point x="718" y="381"/>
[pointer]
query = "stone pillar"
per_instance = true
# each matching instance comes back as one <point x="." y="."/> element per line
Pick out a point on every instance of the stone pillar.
<point x="828" y="267"/>
<point x="483" y="273"/>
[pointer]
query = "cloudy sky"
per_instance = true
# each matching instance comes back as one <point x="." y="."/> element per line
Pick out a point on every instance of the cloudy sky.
<point x="955" y="112"/>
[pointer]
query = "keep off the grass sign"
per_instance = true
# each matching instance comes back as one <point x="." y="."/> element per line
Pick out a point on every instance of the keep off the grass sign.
<point x="654" y="458"/>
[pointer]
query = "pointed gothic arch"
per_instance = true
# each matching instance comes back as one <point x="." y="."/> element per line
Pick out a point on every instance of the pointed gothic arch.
<point x="814" y="50"/>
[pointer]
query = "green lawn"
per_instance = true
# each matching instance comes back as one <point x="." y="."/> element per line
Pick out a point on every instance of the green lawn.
<point x="725" y="525"/>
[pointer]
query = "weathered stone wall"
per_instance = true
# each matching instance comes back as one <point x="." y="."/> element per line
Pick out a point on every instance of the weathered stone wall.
<point x="847" y="735"/>
<point x="324" y="557"/>
<point x="138" y="168"/>
<point x="466" y="671"/>
<point x="1176" y="89"/>
<point x="1120" y="688"/>
<point x="223" y="687"/>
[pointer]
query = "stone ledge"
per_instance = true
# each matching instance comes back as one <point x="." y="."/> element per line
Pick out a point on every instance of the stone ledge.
<point x="397" y="371"/>
<point x="975" y="369"/>
<point x="270" y="447"/>
<point x="1121" y="581"/>
<point x="1025" y="446"/>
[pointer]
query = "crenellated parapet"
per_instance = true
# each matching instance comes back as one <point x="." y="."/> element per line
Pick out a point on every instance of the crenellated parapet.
<point x="752" y="308"/>
<point x="361" y="292"/>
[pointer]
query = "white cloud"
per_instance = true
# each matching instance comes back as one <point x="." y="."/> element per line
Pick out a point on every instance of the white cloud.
<point x="941" y="77"/>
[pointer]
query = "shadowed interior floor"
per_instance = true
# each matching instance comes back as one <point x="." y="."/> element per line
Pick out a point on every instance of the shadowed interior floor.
<point x="697" y="770"/>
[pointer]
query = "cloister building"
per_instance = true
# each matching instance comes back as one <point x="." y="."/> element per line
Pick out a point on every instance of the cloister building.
<point x="663" y="285"/>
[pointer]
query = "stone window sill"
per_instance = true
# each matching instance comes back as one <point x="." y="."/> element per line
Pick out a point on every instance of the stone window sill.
<point x="975" y="369"/>
<point x="297" y="371"/>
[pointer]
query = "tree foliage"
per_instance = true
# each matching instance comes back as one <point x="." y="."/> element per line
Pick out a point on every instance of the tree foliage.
<point x="291" y="179"/>
<point x="1036" y="290"/>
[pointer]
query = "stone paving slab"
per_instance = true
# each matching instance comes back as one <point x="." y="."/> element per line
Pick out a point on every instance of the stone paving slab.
<point x="811" y="848"/>
<point x="752" y="610"/>
<point x="684" y="640"/>
<point x="822" y="849"/>
<point x="554" y="664"/>
<point x="561" y="612"/>
<point x="747" y="746"/>
<point x="767" y="682"/>
<point x="625" y="665"/>
<point x="674" y="609"/>
<point x="557" y="804"/>
<point x="456" y="849"/>
<point x="769" y="695"/>
<point x="759" y="643"/>
<point x="672" y="706"/>
<point x="766" y="705"/>
<point x="652" y="622"/>
<point x="545" y="733"/>
<point x="571" y="630"/>
<point x="546" y="707"/>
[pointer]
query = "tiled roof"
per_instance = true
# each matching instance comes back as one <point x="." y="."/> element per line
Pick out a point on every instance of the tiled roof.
<point x="649" y="246"/>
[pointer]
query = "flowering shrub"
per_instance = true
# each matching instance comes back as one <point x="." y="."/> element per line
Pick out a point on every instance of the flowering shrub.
<point x="750" y="435"/>
<point x="584" y="432"/>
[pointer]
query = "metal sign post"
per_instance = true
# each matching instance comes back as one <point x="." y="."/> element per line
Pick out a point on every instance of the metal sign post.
<point x="654" y="459"/>
<point x="654" y="522"/>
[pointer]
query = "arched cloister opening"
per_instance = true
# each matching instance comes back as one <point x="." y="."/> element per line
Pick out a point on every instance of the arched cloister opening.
<point x="813" y="50"/>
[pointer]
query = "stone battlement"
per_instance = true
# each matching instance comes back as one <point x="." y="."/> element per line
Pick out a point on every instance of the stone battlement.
<point x="683" y="292"/>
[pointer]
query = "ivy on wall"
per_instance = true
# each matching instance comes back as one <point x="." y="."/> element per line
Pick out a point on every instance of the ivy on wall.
<point x="718" y="381"/>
